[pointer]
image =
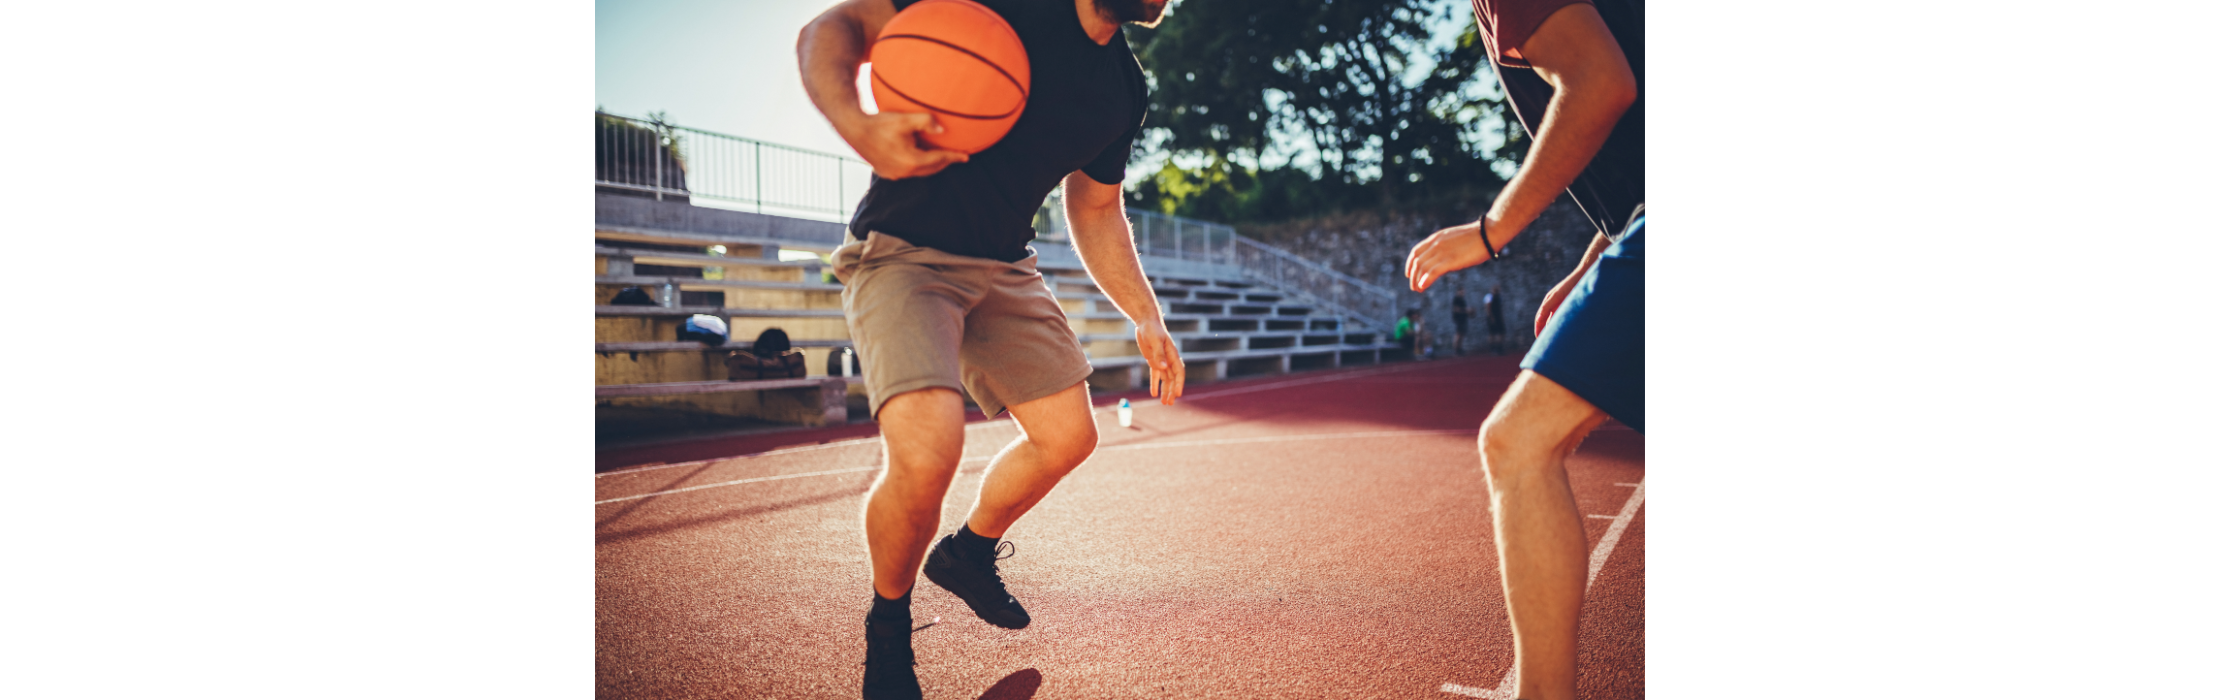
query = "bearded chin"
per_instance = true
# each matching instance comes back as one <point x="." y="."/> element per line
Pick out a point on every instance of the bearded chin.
<point x="1131" y="11"/>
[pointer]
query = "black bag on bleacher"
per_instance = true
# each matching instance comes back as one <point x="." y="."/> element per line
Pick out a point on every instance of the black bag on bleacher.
<point x="633" y="296"/>
<point x="774" y="357"/>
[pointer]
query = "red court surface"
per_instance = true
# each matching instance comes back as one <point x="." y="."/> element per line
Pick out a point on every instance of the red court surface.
<point x="1314" y="535"/>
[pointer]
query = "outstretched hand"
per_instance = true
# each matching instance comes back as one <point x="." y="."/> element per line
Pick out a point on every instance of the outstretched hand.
<point x="1165" y="362"/>
<point x="889" y="142"/>
<point x="1553" y="301"/>
<point x="1446" y="250"/>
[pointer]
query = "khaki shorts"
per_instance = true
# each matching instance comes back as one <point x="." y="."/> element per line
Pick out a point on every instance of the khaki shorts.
<point x="923" y="318"/>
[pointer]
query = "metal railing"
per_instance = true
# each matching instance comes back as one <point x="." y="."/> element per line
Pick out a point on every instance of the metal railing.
<point x="1156" y="234"/>
<point x="1375" y="306"/>
<point x="705" y="167"/>
<point x="1184" y="238"/>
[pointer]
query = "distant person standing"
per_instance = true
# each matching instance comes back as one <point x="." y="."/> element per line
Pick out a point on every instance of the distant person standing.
<point x="1458" y="310"/>
<point x="1496" y="331"/>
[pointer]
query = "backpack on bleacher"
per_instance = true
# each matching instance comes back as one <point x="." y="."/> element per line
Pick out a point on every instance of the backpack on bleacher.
<point x="633" y="296"/>
<point x="706" y="329"/>
<point x="774" y="357"/>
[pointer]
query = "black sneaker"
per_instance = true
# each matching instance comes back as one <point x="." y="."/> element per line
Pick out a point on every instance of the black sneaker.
<point x="889" y="665"/>
<point x="976" y="582"/>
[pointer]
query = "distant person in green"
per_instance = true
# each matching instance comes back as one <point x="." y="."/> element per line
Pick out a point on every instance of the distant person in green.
<point x="1406" y="330"/>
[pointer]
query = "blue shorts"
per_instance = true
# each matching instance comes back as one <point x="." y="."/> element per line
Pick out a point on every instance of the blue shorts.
<point x="1593" y="345"/>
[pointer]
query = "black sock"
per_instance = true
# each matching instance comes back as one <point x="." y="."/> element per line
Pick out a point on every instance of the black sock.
<point x="897" y="609"/>
<point x="972" y="544"/>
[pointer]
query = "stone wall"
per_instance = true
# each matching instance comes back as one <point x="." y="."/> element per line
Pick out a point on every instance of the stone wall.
<point x="1374" y="247"/>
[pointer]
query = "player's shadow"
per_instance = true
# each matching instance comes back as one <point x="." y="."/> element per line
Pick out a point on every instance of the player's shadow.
<point x="1020" y="685"/>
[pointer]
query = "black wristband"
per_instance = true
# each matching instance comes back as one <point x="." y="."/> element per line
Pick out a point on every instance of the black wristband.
<point x="1490" y="254"/>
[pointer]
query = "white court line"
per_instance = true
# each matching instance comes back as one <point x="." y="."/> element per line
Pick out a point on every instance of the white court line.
<point x="696" y="462"/>
<point x="1507" y="690"/>
<point x="1100" y="449"/>
<point x="788" y="450"/>
<point x="1610" y="537"/>
<point x="960" y="463"/>
<point x="1469" y="691"/>
<point x="1004" y="421"/>
<point x="732" y="483"/>
<point x="1186" y="397"/>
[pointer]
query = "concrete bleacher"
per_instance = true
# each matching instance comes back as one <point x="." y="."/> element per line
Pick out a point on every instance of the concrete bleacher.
<point x="1226" y="324"/>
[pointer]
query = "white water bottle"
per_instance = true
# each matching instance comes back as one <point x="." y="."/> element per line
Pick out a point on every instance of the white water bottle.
<point x="1127" y="415"/>
<point x="847" y="362"/>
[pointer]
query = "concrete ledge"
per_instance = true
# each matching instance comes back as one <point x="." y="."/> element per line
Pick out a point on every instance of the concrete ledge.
<point x="683" y="311"/>
<point x="688" y="260"/>
<point x="689" y="346"/>
<point x="815" y="400"/>
<point x="636" y="234"/>
<point x="646" y="215"/>
<point x="678" y="388"/>
<point x="641" y="281"/>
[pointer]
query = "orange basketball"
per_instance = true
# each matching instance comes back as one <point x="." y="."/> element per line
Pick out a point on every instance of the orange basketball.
<point x="957" y="60"/>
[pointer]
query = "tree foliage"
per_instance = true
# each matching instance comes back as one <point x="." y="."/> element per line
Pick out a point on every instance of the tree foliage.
<point x="1276" y="109"/>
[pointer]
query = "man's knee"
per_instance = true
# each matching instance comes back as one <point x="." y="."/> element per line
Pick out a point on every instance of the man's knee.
<point x="1061" y="426"/>
<point x="1535" y="425"/>
<point x="923" y="433"/>
<point x="1069" y="442"/>
<point x="1506" y="450"/>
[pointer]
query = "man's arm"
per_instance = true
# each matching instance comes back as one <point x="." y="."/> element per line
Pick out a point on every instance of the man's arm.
<point x="1594" y="85"/>
<point x="1108" y="250"/>
<point x="831" y="49"/>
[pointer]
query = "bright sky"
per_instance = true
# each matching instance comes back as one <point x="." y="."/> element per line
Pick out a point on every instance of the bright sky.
<point x="728" y="66"/>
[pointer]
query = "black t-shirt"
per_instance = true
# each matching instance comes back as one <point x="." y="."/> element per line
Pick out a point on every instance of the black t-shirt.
<point x="1085" y="104"/>
<point x="1612" y="186"/>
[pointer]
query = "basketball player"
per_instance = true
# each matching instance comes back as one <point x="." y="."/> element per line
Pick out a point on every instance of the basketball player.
<point x="1572" y="71"/>
<point x="942" y="296"/>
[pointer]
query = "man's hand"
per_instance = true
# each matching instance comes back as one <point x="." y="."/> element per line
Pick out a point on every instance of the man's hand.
<point x="1554" y="300"/>
<point x="889" y="142"/>
<point x="1108" y="250"/>
<point x="1562" y="290"/>
<point x="1444" y="251"/>
<point x="1594" y="86"/>
<point x="832" y="49"/>
<point x="1163" y="360"/>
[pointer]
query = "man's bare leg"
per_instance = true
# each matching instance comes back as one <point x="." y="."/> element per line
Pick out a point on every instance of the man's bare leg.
<point x="1543" y="545"/>
<point x="1058" y="432"/>
<point x="924" y="435"/>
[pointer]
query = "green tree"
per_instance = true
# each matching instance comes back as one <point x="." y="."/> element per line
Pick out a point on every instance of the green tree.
<point x="1276" y="109"/>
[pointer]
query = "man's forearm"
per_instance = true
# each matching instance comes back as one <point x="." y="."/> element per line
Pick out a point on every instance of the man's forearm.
<point x="1108" y="250"/>
<point x="830" y="50"/>
<point x="1594" y="86"/>
<point x="1576" y="125"/>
